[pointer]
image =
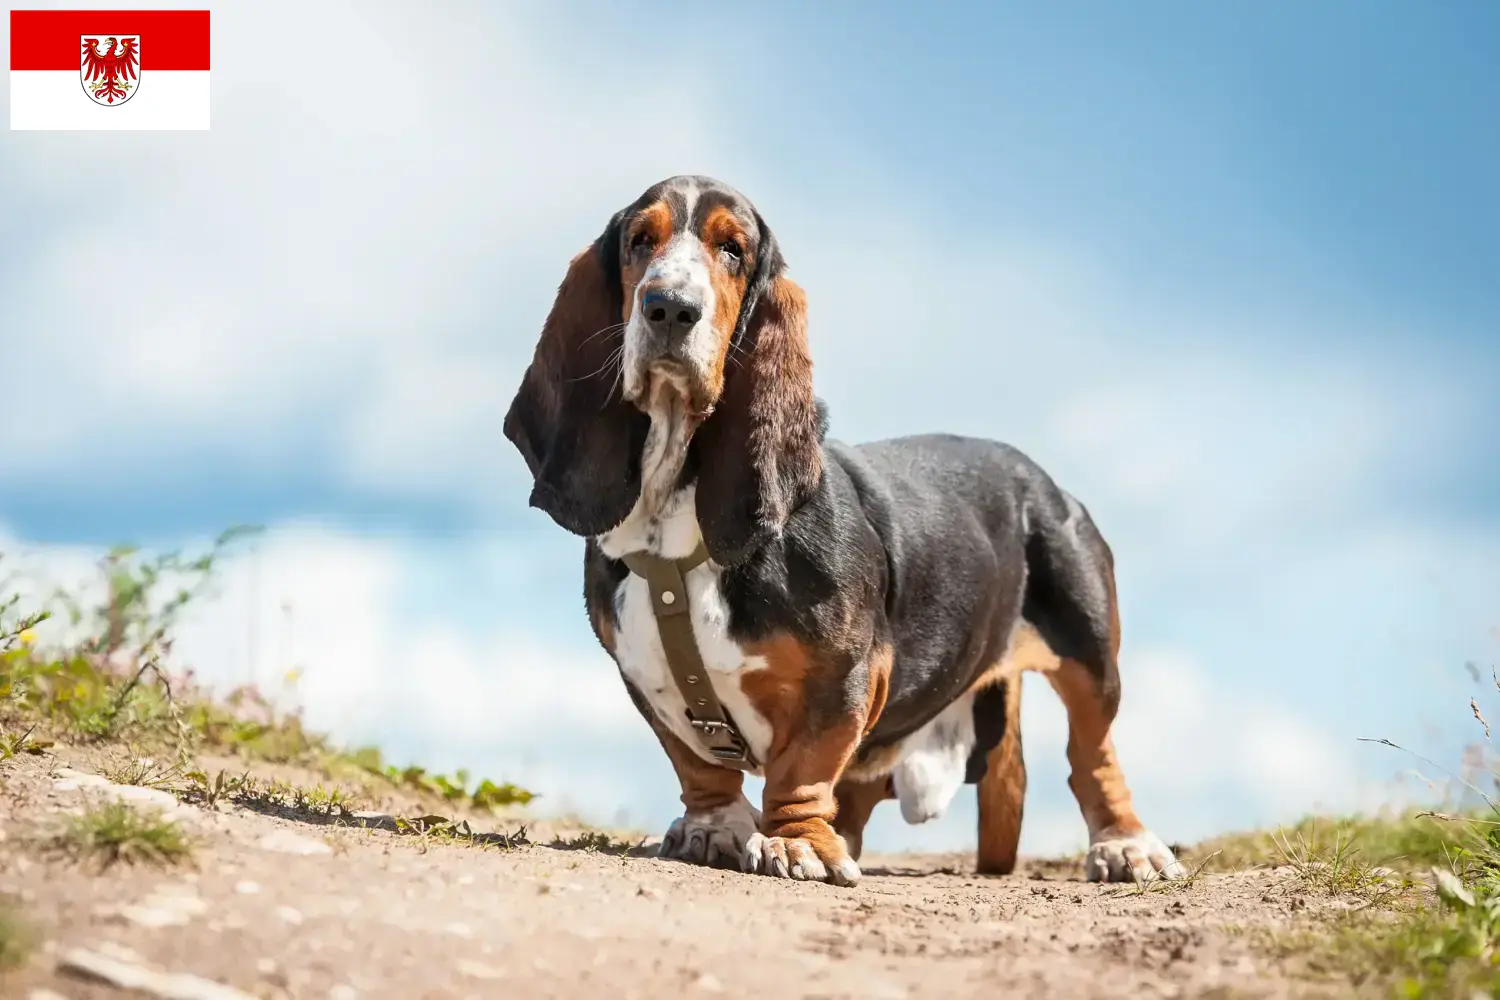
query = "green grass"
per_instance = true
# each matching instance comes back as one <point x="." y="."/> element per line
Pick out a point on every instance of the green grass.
<point x="485" y="794"/>
<point x="17" y="937"/>
<point x="267" y="796"/>
<point x="1148" y="886"/>
<point x="13" y="743"/>
<point x="1421" y="895"/>
<point x="115" y="832"/>
<point x="146" y="772"/>
<point x="1434" y="942"/>
<point x="112" y="681"/>
<point x="1405" y="841"/>
<point x="598" y="842"/>
<point x="442" y="830"/>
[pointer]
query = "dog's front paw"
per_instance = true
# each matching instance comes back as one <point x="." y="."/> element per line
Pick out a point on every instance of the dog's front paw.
<point x="811" y="852"/>
<point x="717" y="837"/>
<point x="1138" y="856"/>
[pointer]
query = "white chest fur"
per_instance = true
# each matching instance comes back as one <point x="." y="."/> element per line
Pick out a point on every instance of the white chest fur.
<point x="674" y="534"/>
<point x="638" y="649"/>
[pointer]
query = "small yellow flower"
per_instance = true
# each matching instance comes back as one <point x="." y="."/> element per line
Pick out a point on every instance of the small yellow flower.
<point x="27" y="637"/>
<point x="293" y="675"/>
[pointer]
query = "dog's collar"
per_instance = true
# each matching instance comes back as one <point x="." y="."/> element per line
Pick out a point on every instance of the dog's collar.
<point x="665" y="579"/>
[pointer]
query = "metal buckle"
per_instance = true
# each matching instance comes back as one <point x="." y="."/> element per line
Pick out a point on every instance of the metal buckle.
<point x="711" y="728"/>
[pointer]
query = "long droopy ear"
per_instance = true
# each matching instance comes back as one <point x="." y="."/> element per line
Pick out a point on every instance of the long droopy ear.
<point x="760" y="455"/>
<point x="580" y="439"/>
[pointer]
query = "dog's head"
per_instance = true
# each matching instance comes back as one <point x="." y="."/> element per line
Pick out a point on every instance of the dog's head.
<point x="679" y="313"/>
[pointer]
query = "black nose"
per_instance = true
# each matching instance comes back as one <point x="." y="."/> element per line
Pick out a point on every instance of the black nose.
<point x="671" y="312"/>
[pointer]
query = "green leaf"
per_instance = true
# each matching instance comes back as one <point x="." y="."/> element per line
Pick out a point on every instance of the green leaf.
<point x="1451" y="890"/>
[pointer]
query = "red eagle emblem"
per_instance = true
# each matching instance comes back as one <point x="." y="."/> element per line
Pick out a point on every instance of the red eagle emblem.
<point x="111" y="73"/>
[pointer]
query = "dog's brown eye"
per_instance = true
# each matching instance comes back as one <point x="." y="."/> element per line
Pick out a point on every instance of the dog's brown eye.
<point x="732" y="250"/>
<point x="639" y="242"/>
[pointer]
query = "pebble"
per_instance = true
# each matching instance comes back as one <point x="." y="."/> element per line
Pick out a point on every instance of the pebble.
<point x="147" y="916"/>
<point x="44" y="994"/>
<point x="708" y="982"/>
<point x="478" y="970"/>
<point x="247" y="887"/>
<point x="69" y="780"/>
<point x="290" y="915"/>
<point x="343" y="991"/>
<point x="91" y="965"/>
<point x="145" y="796"/>
<point x="121" y="953"/>
<point x="287" y="842"/>
<point x="168" y="906"/>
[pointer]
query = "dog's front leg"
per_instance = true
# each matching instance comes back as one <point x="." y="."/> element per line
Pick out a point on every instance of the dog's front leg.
<point x="797" y="838"/>
<point x="718" y="822"/>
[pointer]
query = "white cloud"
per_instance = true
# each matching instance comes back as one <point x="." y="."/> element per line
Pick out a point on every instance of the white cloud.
<point x="358" y="282"/>
<point x="1185" y="737"/>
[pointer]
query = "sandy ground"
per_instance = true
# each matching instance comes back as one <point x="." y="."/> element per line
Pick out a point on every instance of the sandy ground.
<point x="278" y="906"/>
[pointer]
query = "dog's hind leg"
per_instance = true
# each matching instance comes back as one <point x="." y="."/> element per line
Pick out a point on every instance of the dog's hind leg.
<point x="1071" y="603"/>
<point x="999" y="772"/>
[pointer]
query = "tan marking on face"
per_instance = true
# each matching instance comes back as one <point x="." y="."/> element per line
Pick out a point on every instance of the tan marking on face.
<point x="719" y="227"/>
<point x="654" y="222"/>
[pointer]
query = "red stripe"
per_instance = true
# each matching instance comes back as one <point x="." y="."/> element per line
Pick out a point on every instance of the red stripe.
<point x="49" y="39"/>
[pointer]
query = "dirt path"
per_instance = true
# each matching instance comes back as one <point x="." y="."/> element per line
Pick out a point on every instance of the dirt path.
<point x="282" y="907"/>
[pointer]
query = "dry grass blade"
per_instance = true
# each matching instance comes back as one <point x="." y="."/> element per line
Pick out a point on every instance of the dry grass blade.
<point x="146" y="772"/>
<point x="1339" y="870"/>
<point x="12" y="744"/>
<point x="115" y="832"/>
<point x="1155" y="883"/>
<point x="595" y="841"/>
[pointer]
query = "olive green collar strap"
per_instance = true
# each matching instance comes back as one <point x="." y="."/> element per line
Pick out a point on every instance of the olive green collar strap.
<point x="715" y="729"/>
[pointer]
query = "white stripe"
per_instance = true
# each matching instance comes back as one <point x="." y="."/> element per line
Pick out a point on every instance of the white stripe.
<point x="167" y="99"/>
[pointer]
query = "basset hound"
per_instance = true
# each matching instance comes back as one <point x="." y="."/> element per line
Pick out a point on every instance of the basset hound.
<point x="848" y="621"/>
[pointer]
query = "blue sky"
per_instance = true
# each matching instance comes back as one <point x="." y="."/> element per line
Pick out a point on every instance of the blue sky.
<point x="1227" y="272"/>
